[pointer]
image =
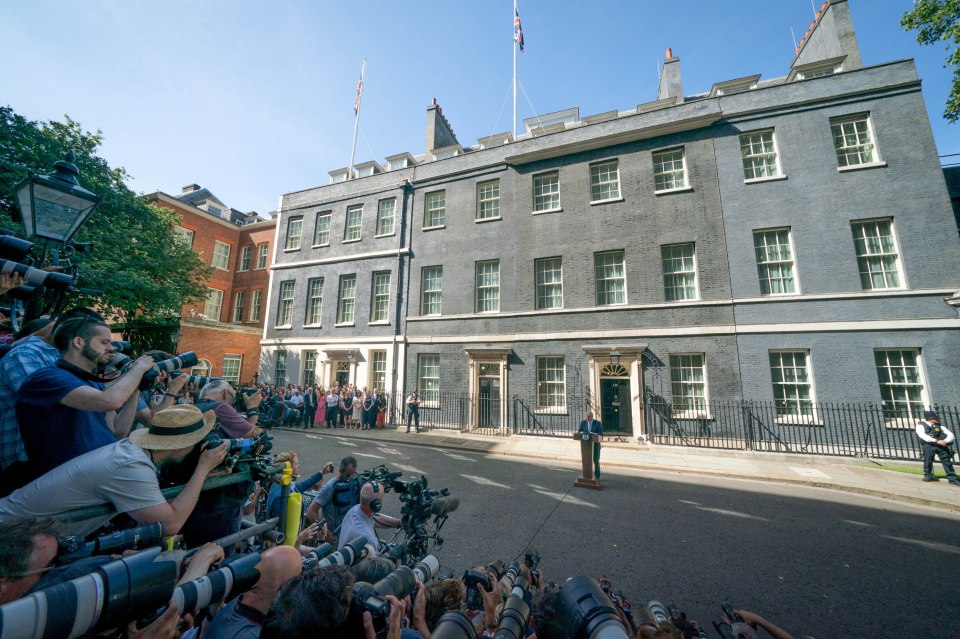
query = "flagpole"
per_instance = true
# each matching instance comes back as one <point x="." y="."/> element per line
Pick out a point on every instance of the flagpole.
<point x="515" y="43"/>
<point x="356" y="124"/>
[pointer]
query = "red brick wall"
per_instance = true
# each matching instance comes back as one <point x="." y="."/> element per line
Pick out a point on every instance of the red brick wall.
<point x="253" y="279"/>
<point x="212" y="343"/>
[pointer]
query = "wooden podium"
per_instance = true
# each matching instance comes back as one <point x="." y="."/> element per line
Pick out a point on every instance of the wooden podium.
<point x="586" y="456"/>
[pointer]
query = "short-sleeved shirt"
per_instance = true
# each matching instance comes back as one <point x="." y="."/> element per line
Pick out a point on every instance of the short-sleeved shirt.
<point x="230" y="421"/>
<point x="121" y="474"/>
<point x="235" y="621"/>
<point x="27" y="356"/>
<point x="356" y="523"/>
<point x="54" y="433"/>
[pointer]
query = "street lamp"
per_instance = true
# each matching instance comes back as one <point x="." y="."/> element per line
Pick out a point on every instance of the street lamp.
<point x="614" y="356"/>
<point x="53" y="207"/>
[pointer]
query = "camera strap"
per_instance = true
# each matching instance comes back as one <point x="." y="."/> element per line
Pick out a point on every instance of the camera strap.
<point x="86" y="376"/>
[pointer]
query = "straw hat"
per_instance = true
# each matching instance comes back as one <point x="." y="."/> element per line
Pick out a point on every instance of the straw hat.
<point x="179" y="426"/>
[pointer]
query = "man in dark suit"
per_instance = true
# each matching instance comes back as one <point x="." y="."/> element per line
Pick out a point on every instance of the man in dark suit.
<point x="594" y="427"/>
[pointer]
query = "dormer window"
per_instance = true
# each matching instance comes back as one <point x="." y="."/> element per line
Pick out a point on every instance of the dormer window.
<point x="216" y="210"/>
<point x="399" y="161"/>
<point x="398" y="164"/>
<point x="447" y="152"/>
<point x="340" y="175"/>
<point x="734" y="86"/>
<point x="818" y="69"/>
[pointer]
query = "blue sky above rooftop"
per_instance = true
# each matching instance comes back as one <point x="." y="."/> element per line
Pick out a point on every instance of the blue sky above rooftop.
<point x="255" y="99"/>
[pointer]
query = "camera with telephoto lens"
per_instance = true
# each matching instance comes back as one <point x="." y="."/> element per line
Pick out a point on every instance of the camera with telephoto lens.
<point x="399" y="583"/>
<point x="733" y="626"/>
<point x="585" y="612"/>
<point x="199" y="380"/>
<point x="75" y="547"/>
<point x="242" y="448"/>
<point x="183" y="360"/>
<point x="382" y="475"/>
<point x="238" y="403"/>
<point x="350" y="554"/>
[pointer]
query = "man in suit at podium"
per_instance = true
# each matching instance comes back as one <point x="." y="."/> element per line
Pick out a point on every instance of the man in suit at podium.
<point x="594" y="427"/>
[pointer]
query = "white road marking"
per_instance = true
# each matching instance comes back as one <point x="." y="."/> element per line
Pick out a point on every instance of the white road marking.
<point x="857" y="523"/>
<point x="692" y="503"/>
<point x="929" y="545"/>
<point x="368" y="455"/>
<point x="459" y="457"/>
<point x="483" y="481"/>
<point x="343" y="442"/>
<point x="388" y="451"/>
<point x="567" y="499"/>
<point x="730" y="513"/>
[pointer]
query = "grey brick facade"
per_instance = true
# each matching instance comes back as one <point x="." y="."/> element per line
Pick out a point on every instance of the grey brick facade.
<point x="731" y="323"/>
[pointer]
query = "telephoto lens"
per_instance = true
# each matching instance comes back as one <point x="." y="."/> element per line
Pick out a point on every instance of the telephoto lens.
<point x="350" y="554"/>
<point x="73" y="548"/>
<point x="427" y="568"/>
<point x="235" y="575"/>
<point x="456" y="625"/>
<point x="399" y="583"/>
<point x="13" y="248"/>
<point x="184" y="360"/>
<point x="515" y="615"/>
<point x="249" y="447"/>
<point x="584" y="612"/>
<point x="121" y="347"/>
<point x="313" y="558"/>
<point x="109" y="597"/>
<point x="36" y="277"/>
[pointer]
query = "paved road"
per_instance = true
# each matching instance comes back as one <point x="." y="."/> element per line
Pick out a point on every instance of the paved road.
<point x="817" y="562"/>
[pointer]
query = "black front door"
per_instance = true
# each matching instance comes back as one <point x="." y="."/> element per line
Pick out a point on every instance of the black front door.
<point x="488" y="403"/>
<point x="615" y="405"/>
<point x="343" y="377"/>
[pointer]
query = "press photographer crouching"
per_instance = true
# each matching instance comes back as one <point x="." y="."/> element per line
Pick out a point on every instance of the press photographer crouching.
<point x="125" y="474"/>
<point x="65" y="410"/>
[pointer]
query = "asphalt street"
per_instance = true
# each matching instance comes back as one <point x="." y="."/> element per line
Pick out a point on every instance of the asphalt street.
<point x="816" y="562"/>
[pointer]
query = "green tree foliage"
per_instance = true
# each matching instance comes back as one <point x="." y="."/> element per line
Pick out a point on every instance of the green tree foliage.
<point x="939" y="21"/>
<point x="146" y="273"/>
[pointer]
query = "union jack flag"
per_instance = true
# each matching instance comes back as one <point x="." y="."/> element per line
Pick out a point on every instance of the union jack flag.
<point x="356" y="102"/>
<point x="517" y="29"/>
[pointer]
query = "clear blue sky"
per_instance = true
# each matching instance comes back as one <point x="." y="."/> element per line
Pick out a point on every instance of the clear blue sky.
<point x="253" y="99"/>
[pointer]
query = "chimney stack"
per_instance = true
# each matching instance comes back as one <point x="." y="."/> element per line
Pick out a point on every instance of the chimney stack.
<point x="439" y="132"/>
<point x="670" y="84"/>
<point x="190" y="188"/>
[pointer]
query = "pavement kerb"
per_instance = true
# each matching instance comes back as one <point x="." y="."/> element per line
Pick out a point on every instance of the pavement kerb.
<point x="505" y="447"/>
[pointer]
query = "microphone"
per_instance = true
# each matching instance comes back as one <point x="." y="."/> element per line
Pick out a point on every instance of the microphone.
<point x="444" y="505"/>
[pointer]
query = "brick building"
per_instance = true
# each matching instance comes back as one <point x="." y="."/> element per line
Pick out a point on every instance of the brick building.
<point x="786" y="240"/>
<point x="225" y="329"/>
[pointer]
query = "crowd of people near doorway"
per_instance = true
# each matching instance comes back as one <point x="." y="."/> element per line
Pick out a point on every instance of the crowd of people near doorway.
<point x="340" y="406"/>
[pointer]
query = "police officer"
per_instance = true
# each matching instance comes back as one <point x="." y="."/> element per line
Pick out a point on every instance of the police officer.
<point x="935" y="440"/>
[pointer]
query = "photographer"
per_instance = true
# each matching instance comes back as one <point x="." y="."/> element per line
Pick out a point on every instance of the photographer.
<point x="29" y="546"/>
<point x="362" y="519"/>
<point x="242" y="617"/>
<point x="219" y="396"/>
<point x="64" y="410"/>
<point x="337" y="496"/>
<point x="125" y="475"/>
<point x="273" y="496"/>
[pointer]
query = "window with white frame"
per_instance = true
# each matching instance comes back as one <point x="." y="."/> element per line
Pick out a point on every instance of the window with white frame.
<point x="759" y="153"/>
<point x="309" y="368"/>
<point x="285" y="305"/>
<point x="428" y="376"/>
<point x="688" y="383"/>
<point x="244" y="259"/>
<point x="231" y="368"/>
<point x="604" y="181"/>
<point x="609" y="272"/>
<point x="354" y="222"/>
<point x="238" y="306"/>
<point x="378" y="369"/>
<point x="216" y="210"/>
<point x="853" y="140"/>
<point x="321" y="235"/>
<point x="434" y="211"/>
<point x="877" y="255"/>
<point x="183" y="235"/>
<point x="255" y="305"/>
<point x="294" y="233"/>
<point x="549" y="281"/>
<point x="546" y="192"/>
<point x="431" y="290"/>
<point x="314" y="301"/>
<point x="280" y="369"/>
<point x="901" y="384"/>
<point x="679" y="272"/>
<point x="380" y="308"/>
<point x="774" y="261"/>
<point x="386" y="212"/>
<point x="488" y="286"/>
<point x="221" y="255"/>
<point x="792" y="383"/>
<point x="551" y="384"/>
<point x="211" y="309"/>
<point x="669" y="170"/>
<point x="488" y="200"/>
<point x="348" y="299"/>
<point x="263" y="251"/>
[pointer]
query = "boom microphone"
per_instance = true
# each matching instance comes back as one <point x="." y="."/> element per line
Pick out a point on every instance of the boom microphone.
<point x="444" y="505"/>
